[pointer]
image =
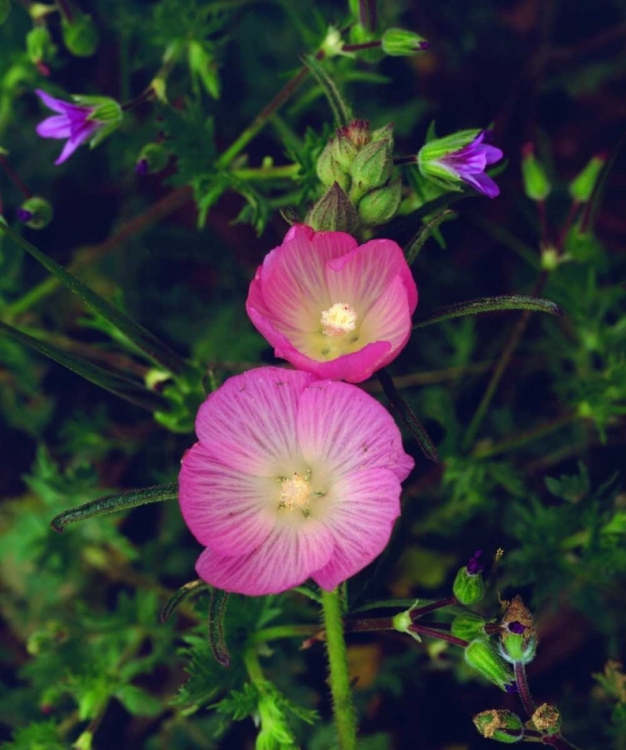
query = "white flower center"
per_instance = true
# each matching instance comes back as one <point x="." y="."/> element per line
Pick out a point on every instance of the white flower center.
<point x="295" y="493"/>
<point x="340" y="318"/>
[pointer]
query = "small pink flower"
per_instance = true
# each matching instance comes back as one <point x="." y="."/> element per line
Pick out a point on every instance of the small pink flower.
<point x="292" y="478"/>
<point x="331" y="307"/>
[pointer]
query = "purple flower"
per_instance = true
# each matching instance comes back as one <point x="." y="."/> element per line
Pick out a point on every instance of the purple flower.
<point x="462" y="156"/>
<point x="474" y="566"/>
<point x="92" y="118"/>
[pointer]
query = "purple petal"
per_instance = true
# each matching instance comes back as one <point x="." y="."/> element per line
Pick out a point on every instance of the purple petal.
<point x="56" y="105"/>
<point x="54" y="127"/>
<point x="484" y="184"/>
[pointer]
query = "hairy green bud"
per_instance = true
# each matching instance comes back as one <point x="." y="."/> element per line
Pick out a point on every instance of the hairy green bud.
<point x="547" y="719"/>
<point x="483" y="657"/>
<point x="468" y="626"/>
<point x="500" y="725"/>
<point x="35" y="212"/>
<point x="106" y="111"/>
<point x="536" y="184"/>
<point x="380" y="205"/>
<point x="371" y="168"/>
<point x="81" y="35"/>
<point x="333" y="213"/>
<point x="400" y="43"/>
<point x="329" y="170"/>
<point x="152" y="158"/>
<point x="468" y="586"/>
<point x="518" y="637"/>
<point x="582" y="186"/>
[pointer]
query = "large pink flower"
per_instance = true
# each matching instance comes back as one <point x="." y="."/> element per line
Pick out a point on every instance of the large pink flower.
<point x="292" y="478"/>
<point x="332" y="307"/>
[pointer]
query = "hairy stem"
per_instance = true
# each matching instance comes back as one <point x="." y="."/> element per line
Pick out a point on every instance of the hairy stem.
<point x="343" y="705"/>
<point x="523" y="689"/>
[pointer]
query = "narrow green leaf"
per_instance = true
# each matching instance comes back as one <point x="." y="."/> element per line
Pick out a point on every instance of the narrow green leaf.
<point x="426" y="230"/>
<point x="217" y="612"/>
<point x="490" y="304"/>
<point x="119" y="385"/>
<point x="115" y="503"/>
<point x="408" y="416"/>
<point x="184" y="592"/>
<point x="341" y="111"/>
<point x="143" y="339"/>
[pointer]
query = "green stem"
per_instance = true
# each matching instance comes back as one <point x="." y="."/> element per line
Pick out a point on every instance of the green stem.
<point x="284" y="631"/>
<point x="264" y="115"/>
<point x="267" y="173"/>
<point x="501" y="366"/>
<point x="343" y="706"/>
<point x="522" y="438"/>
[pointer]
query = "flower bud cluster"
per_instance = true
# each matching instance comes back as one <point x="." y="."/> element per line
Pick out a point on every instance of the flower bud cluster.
<point x="363" y="187"/>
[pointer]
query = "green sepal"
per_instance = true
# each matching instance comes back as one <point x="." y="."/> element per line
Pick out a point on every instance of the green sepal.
<point x="203" y="67"/>
<point x="408" y="417"/>
<point x="482" y="656"/>
<point x="491" y="304"/>
<point x="184" y="592"/>
<point x="217" y="613"/>
<point x="119" y="385"/>
<point x="468" y="626"/>
<point x="468" y="588"/>
<point x="39" y="45"/>
<point x="114" y="503"/>
<point x="402" y="43"/>
<point x="333" y="212"/>
<point x="143" y="339"/>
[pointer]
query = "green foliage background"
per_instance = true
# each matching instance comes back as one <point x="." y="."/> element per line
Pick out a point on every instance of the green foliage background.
<point x="84" y="656"/>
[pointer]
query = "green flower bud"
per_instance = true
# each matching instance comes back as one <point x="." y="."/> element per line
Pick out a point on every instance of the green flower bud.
<point x="400" y="43"/>
<point x="550" y="258"/>
<point x="329" y="171"/>
<point x="547" y="719"/>
<point x="536" y="184"/>
<point x="402" y="622"/>
<point x="203" y="67"/>
<point x="371" y="168"/>
<point x="381" y="204"/>
<point x="468" y="626"/>
<point x="483" y="657"/>
<point x="333" y="212"/>
<point x="343" y="148"/>
<point x="358" y="132"/>
<point x="107" y="112"/>
<point x="468" y="586"/>
<point x="518" y="637"/>
<point x="5" y="9"/>
<point x="153" y="157"/>
<point x="39" y="45"/>
<point x="500" y="725"/>
<point x="35" y="212"/>
<point x="582" y="186"/>
<point x="384" y="134"/>
<point x="81" y="35"/>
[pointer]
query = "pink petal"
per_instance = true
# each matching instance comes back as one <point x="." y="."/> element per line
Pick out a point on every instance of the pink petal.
<point x="292" y="278"/>
<point x="57" y="126"/>
<point x="227" y="510"/>
<point x="67" y="151"/>
<point x="361" y="514"/>
<point x="361" y="276"/>
<point x="286" y="559"/>
<point x="389" y="320"/>
<point x="249" y="424"/>
<point x="342" y="429"/>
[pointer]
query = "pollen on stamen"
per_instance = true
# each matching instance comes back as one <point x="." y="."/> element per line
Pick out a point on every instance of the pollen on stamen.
<point x="340" y="318"/>
<point x="295" y="492"/>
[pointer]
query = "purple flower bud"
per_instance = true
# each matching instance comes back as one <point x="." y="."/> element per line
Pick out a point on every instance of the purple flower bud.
<point x="516" y="627"/>
<point x="473" y="566"/>
<point x="23" y="215"/>
<point x="142" y="167"/>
